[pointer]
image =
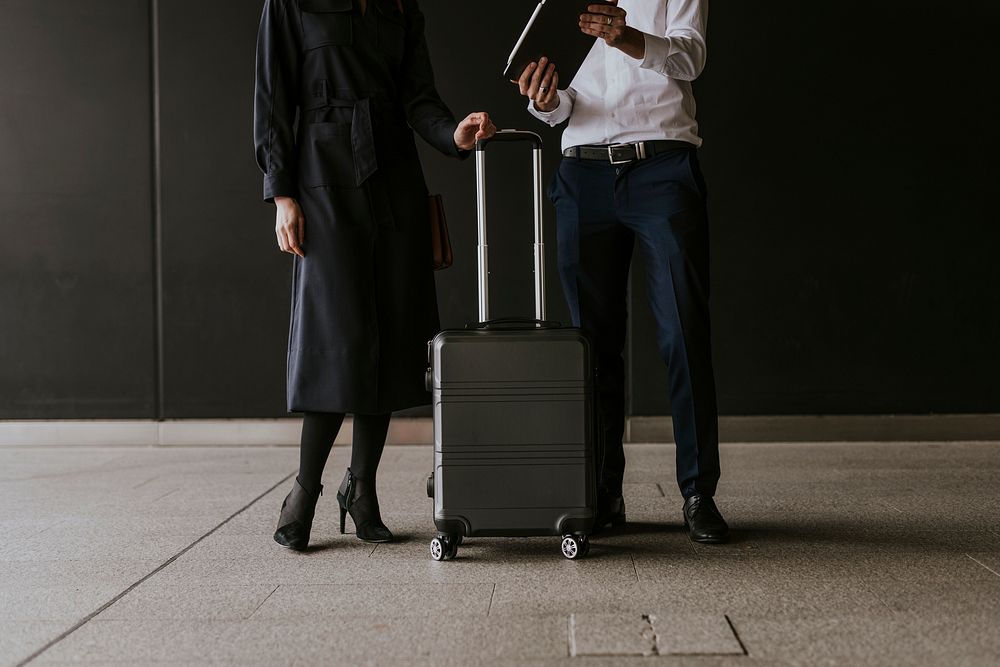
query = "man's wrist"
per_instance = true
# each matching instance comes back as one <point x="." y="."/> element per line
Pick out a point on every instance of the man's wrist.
<point x="633" y="43"/>
<point x="547" y="109"/>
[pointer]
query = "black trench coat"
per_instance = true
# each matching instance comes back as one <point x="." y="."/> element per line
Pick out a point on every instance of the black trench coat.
<point x="337" y="94"/>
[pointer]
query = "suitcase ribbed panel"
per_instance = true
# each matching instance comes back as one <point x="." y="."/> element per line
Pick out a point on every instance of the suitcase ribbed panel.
<point x="503" y="422"/>
<point x="513" y="431"/>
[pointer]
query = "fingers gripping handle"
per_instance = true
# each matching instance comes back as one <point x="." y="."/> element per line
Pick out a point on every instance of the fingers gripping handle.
<point x="483" y="248"/>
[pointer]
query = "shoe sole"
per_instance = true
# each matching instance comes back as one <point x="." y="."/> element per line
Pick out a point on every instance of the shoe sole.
<point x="705" y="540"/>
<point x="289" y="547"/>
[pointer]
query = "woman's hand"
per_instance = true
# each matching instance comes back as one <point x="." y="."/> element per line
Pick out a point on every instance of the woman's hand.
<point x="476" y="127"/>
<point x="608" y="22"/>
<point x="540" y="84"/>
<point x="290" y="226"/>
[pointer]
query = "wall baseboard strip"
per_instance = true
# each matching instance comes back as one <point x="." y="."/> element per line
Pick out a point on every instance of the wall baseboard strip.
<point x="833" y="428"/>
<point x="406" y="431"/>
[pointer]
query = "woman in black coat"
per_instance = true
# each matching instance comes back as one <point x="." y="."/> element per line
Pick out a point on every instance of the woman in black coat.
<point x="341" y="86"/>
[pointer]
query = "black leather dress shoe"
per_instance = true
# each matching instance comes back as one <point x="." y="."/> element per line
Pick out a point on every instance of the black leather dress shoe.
<point x="704" y="521"/>
<point x="610" y="512"/>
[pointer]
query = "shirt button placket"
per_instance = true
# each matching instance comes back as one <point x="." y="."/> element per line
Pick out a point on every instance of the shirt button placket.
<point x="613" y="93"/>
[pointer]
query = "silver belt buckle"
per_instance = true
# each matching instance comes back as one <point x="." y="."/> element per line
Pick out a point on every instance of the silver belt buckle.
<point x="611" y="154"/>
<point x="640" y="152"/>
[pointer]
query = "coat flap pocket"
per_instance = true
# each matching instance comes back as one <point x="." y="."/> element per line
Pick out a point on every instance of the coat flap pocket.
<point x="327" y="22"/>
<point x="324" y="6"/>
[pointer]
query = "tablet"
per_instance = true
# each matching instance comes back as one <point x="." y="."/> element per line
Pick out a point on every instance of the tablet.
<point x="553" y="31"/>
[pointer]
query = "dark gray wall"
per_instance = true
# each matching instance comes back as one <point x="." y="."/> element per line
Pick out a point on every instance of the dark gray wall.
<point x="76" y="233"/>
<point x="849" y="161"/>
<point x="225" y="285"/>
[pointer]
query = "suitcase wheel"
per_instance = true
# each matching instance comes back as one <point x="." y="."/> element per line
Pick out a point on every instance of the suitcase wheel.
<point x="430" y="486"/>
<point x="575" y="547"/>
<point x="444" y="547"/>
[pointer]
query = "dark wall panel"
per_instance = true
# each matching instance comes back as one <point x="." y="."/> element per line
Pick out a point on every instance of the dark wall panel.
<point x="854" y="220"/>
<point x="851" y="170"/>
<point x="226" y="284"/>
<point x="76" y="276"/>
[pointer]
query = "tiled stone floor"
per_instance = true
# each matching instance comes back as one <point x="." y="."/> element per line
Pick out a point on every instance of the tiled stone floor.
<point x="843" y="554"/>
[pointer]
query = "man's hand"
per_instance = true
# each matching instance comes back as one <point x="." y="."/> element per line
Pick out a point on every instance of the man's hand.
<point x="540" y="84"/>
<point x="476" y="127"/>
<point x="290" y="226"/>
<point x="608" y="22"/>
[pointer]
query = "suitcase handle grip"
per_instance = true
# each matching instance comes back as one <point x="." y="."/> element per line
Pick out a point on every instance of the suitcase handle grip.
<point x="483" y="247"/>
<point x="511" y="136"/>
<point x="515" y="323"/>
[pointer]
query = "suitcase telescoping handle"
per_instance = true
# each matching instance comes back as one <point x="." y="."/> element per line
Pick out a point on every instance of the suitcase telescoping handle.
<point x="484" y="268"/>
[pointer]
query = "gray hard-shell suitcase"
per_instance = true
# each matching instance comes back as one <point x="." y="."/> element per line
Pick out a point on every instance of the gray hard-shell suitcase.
<point x="514" y="427"/>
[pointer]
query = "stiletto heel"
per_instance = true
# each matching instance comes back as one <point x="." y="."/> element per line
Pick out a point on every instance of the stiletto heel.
<point x="295" y="520"/>
<point x="359" y="500"/>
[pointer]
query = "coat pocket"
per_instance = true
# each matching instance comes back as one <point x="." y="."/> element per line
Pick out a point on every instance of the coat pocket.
<point x="326" y="22"/>
<point x="328" y="158"/>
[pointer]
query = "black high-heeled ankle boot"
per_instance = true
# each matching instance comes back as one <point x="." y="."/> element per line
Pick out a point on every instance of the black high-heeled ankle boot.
<point x="358" y="498"/>
<point x="295" y="522"/>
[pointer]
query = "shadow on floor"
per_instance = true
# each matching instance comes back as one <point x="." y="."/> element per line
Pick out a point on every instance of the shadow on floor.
<point x="642" y="528"/>
<point x="778" y="535"/>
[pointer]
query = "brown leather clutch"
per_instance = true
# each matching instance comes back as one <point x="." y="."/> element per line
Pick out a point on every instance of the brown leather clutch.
<point x="440" y="241"/>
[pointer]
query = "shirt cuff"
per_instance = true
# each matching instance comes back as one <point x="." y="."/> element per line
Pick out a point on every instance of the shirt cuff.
<point x="279" y="185"/>
<point x="557" y="115"/>
<point x="657" y="52"/>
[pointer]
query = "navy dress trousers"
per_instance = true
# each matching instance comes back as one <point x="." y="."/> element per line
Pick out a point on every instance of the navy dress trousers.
<point x="603" y="212"/>
<point x="338" y="97"/>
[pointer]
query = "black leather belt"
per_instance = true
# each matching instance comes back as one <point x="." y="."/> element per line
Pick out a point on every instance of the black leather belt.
<point x="625" y="153"/>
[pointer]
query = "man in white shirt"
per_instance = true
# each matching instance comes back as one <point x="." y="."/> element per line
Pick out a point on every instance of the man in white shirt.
<point x="631" y="174"/>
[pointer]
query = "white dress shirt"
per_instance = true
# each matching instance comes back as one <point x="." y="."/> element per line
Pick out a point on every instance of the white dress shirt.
<point x="615" y="98"/>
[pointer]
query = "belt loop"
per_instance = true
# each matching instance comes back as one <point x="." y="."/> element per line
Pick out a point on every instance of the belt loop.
<point x="640" y="150"/>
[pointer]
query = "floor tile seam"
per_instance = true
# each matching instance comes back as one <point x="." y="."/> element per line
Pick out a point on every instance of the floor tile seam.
<point x="79" y="624"/>
<point x="141" y="484"/>
<point x="376" y="584"/>
<point x="99" y="469"/>
<point x="978" y="562"/>
<point x="891" y="506"/>
<point x="739" y="640"/>
<point x="268" y="597"/>
<point x="164" y="495"/>
<point x="93" y="472"/>
<point x="866" y="585"/>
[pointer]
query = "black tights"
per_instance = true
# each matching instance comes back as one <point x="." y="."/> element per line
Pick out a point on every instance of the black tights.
<point x="320" y="429"/>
